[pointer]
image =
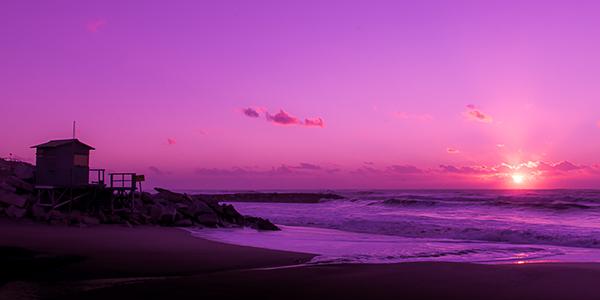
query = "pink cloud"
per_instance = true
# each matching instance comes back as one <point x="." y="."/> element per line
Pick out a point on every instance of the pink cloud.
<point x="474" y="114"/>
<point x="403" y="115"/>
<point x="450" y="150"/>
<point x="598" y="123"/>
<point x="563" y="166"/>
<point x="314" y="123"/>
<point x="214" y="172"/>
<point x="171" y="141"/>
<point x="405" y="169"/>
<point x="250" y="112"/>
<point x="306" y="166"/>
<point x="283" y="118"/>
<point x="93" y="24"/>
<point x="464" y="169"/>
<point x="202" y="132"/>
<point x="364" y="170"/>
<point x="333" y="171"/>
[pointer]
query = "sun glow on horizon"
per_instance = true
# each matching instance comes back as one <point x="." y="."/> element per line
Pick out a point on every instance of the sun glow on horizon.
<point x="517" y="178"/>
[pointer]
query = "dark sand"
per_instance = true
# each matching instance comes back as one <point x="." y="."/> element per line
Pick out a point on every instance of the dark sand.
<point x="213" y="270"/>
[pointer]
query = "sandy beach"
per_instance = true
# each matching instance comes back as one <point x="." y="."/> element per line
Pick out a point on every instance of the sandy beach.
<point x="192" y="268"/>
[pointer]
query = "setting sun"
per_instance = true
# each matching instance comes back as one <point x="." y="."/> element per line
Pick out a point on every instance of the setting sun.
<point x="517" y="178"/>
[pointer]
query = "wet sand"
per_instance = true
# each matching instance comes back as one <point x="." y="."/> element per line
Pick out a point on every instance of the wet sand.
<point x="194" y="268"/>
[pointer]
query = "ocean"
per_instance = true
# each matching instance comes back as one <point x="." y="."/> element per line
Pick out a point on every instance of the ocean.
<point x="390" y="226"/>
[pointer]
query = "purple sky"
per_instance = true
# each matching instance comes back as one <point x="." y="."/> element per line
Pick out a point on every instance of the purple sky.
<point x="310" y="94"/>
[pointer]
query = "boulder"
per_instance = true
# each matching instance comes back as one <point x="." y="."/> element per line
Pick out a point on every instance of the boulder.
<point x="146" y="198"/>
<point x="139" y="209"/>
<point x="198" y="207"/>
<point x="232" y="216"/>
<point x="23" y="171"/>
<point x="37" y="211"/>
<point x="169" y="196"/>
<point x="90" y="220"/>
<point x="13" y="199"/>
<point x="115" y="219"/>
<point x="266" y="225"/>
<point x="75" y="216"/>
<point x="155" y="211"/>
<point x="209" y="219"/>
<point x="7" y="187"/>
<point x="20" y="183"/>
<point x="167" y="215"/>
<point x="55" y="215"/>
<point x="11" y="212"/>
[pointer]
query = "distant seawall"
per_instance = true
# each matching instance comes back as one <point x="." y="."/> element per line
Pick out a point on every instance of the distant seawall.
<point x="272" y="197"/>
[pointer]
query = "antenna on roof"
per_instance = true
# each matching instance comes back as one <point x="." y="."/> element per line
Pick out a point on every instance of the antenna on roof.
<point x="73" y="129"/>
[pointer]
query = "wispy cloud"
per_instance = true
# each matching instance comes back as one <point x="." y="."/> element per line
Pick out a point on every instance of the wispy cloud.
<point x="403" y="115"/>
<point x="157" y="171"/>
<point x="368" y="163"/>
<point x="93" y="24"/>
<point x="252" y="171"/>
<point x="450" y="150"/>
<point x="305" y="166"/>
<point x="171" y="141"/>
<point x="474" y="114"/>
<point x="405" y="169"/>
<point x="598" y="123"/>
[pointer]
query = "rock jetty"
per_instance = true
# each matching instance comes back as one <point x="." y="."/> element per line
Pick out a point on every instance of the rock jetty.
<point x="164" y="208"/>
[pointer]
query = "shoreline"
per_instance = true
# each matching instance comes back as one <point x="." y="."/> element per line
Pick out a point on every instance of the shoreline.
<point x="146" y="262"/>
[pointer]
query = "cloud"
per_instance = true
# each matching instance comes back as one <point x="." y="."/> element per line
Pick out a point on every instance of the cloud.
<point x="474" y="114"/>
<point x="305" y="166"/>
<point x="464" y="170"/>
<point x="235" y="171"/>
<point x="598" y="123"/>
<point x="93" y="24"/>
<point x="158" y="171"/>
<point x="403" y="115"/>
<point x="500" y="145"/>
<point x="405" y="169"/>
<point x="374" y="108"/>
<point x="450" y="150"/>
<point x="314" y="123"/>
<point x="364" y="170"/>
<point x="563" y="166"/>
<point x="281" y="117"/>
<point x="368" y="163"/>
<point x="171" y="141"/>
<point x="250" y="112"/>
<point x="333" y="171"/>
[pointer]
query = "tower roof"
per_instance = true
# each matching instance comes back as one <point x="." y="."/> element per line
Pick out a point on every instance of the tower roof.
<point x="58" y="143"/>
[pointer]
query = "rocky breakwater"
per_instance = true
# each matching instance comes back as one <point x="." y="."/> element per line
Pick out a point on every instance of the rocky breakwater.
<point x="168" y="208"/>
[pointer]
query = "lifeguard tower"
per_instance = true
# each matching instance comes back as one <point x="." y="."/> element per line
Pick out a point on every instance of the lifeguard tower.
<point x="63" y="177"/>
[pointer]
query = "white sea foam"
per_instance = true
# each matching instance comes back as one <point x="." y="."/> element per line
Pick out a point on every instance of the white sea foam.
<point x="457" y="225"/>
